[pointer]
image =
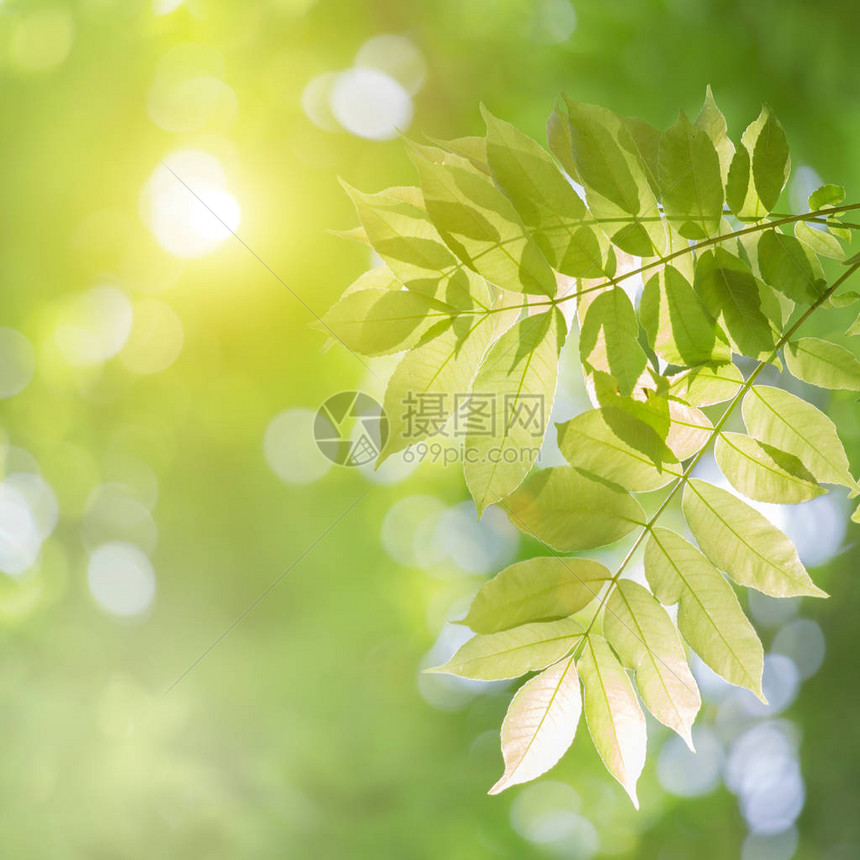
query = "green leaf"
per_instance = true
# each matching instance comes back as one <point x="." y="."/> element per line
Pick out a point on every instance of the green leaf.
<point x="422" y="391"/>
<point x="377" y="278"/>
<point x="740" y="541"/>
<point x="759" y="169"/>
<point x="558" y="138"/>
<point x="539" y="589"/>
<point x="705" y="386"/>
<point x="679" y="327"/>
<point x="545" y="200"/>
<point x="820" y="241"/>
<point x="689" y="171"/>
<point x="401" y="232"/>
<point x="827" y="195"/>
<point x="479" y="223"/>
<point x="377" y="322"/>
<point x="784" y="421"/>
<point x="713" y="123"/>
<point x="770" y="161"/>
<point x="643" y="142"/>
<point x="608" y="339"/>
<point x="854" y="328"/>
<point x="764" y="473"/>
<point x="540" y="724"/>
<point x="510" y="404"/>
<point x="709" y="615"/>
<point x="646" y="641"/>
<point x="822" y="363"/>
<point x="842" y="300"/>
<point x="615" y="720"/>
<point x="511" y="653"/>
<point x="572" y="511"/>
<point x="738" y="181"/>
<point x="732" y="295"/>
<point x="788" y="266"/>
<point x="472" y="148"/>
<point x="615" y="180"/>
<point x="619" y="447"/>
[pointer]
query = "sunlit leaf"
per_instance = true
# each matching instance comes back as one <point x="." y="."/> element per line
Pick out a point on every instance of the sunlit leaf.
<point x="509" y="406"/>
<point x="615" y="180"/>
<point x="781" y="419"/>
<point x="572" y="511"/>
<point x="619" y="447"/>
<point x="479" y="223"/>
<point x="539" y="589"/>
<point x="511" y="653"/>
<point x="788" y="266"/>
<point x="763" y="472"/>
<point x="545" y="200"/>
<point x="770" y="161"/>
<point x="854" y="328"/>
<point x="712" y="121"/>
<point x="615" y="720"/>
<point x="822" y="363"/>
<point x="646" y="641"/>
<point x="732" y="295"/>
<point x="709" y="615"/>
<point x="820" y="241"/>
<point x="376" y="322"/>
<point x="680" y="329"/>
<point x="540" y="724"/>
<point x="689" y="171"/>
<point x="827" y="195"/>
<point x="689" y="429"/>
<point x="740" y="541"/>
<point x="422" y="392"/>
<point x="705" y="386"/>
<point x="608" y="339"/>
<point x="401" y="232"/>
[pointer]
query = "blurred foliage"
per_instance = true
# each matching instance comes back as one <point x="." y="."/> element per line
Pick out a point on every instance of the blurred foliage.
<point x="303" y="731"/>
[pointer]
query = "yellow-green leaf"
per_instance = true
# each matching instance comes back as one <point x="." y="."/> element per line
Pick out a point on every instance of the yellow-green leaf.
<point x="615" y="720"/>
<point x="781" y="419"/>
<point x="790" y="267"/>
<point x="479" y="223"/>
<point x="545" y="200"/>
<point x="608" y="339"/>
<point x="822" y="363"/>
<point x="539" y="589"/>
<point x="679" y="327"/>
<point x="705" y="386"/>
<point x="509" y="406"/>
<point x="571" y="511"/>
<point x="712" y="121"/>
<point x="511" y="653"/>
<point x="540" y="724"/>
<point x="763" y="472"/>
<point x="743" y="543"/>
<point x="689" y="171"/>
<point x="709" y="615"/>
<point x="422" y="391"/>
<point x="646" y="641"/>
<point x="732" y="295"/>
<point x="618" y="446"/>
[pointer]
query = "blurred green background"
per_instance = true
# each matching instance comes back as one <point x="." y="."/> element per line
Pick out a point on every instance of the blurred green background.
<point x="158" y="474"/>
